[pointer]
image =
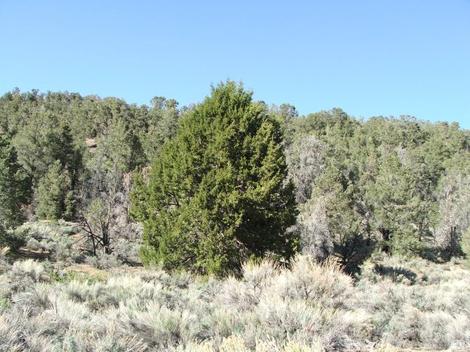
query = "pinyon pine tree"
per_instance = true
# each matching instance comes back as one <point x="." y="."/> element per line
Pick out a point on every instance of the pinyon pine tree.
<point x="217" y="194"/>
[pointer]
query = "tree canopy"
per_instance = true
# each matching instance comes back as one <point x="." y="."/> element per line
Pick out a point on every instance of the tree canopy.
<point x="215" y="181"/>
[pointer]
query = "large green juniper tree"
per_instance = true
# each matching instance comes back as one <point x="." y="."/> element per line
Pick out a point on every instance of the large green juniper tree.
<point x="217" y="195"/>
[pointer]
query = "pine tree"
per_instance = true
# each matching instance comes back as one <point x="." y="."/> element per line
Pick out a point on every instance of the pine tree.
<point x="14" y="185"/>
<point x="54" y="195"/>
<point x="217" y="195"/>
<point x="43" y="141"/>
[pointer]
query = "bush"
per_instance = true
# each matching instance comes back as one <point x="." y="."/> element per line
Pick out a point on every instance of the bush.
<point x="51" y="239"/>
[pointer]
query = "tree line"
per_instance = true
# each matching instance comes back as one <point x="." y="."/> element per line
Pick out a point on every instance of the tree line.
<point x="232" y="179"/>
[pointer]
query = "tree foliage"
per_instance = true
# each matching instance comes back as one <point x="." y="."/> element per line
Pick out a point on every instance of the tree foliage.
<point x="14" y="185"/>
<point x="217" y="195"/>
<point x="105" y="192"/>
<point x="213" y="177"/>
<point x="380" y="184"/>
<point x="54" y="194"/>
<point x="454" y="209"/>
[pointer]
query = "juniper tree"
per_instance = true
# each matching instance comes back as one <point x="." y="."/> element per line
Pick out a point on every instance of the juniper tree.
<point x="217" y="194"/>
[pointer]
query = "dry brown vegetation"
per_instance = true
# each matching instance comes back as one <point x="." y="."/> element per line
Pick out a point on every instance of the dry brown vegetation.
<point x="395" y="305"/>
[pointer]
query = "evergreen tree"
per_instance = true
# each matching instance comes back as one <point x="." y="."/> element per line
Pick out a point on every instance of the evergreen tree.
<point x="217" y="195"/>
<point x="162" y="124"/>
<point x="43" y="141"/>
<point x="337" y="193"/>
<point x="54" y="194"/>
<point x="105" y="195"/>
<point x="14" y="185"/>
<point x="454" y="208"/>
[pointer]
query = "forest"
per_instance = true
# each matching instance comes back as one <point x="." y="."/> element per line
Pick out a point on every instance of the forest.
<point x="151" y="226"/>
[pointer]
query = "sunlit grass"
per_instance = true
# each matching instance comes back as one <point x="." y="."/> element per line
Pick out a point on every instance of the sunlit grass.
<point x="396" y="304"/>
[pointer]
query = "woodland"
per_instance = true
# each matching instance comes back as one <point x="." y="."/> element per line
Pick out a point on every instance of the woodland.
<point x="154" y="226"/>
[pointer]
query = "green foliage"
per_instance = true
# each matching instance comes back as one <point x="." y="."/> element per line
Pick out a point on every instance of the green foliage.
<point x="161" y="126"/>
<point x="217" y="194"/>
<point x="54" y="195"/>
<point x="453" y="196"/>
<point x="105" y="193"/>
<point x="336" y="188"/>
<point x="14" y="186"/>
<point x="392" y="184"/>
<point x="379" y="182"/>
<point x="90" y="137"/>
<point x="107" y="164"/>
<point x="41" y="142"/>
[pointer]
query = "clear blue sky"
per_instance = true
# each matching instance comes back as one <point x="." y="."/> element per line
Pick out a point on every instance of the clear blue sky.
<point x="376" y="57"/>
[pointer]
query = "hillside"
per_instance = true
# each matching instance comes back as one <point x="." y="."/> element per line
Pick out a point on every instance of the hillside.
<point x="229" y="225"/>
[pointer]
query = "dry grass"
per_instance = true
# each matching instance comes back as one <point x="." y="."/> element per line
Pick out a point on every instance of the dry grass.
<point x="396" y="305"/>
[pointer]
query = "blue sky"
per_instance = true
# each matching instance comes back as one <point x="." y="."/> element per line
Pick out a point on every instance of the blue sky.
<point x="377" y="57"/>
